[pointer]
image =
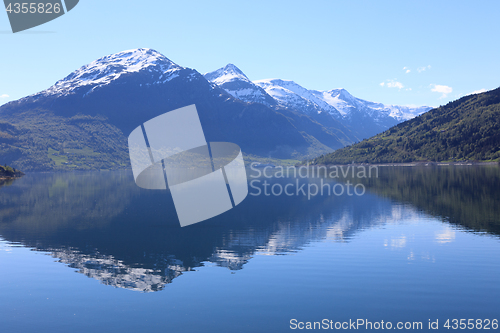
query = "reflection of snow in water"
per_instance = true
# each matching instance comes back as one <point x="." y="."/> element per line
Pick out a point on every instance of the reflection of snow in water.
<point x="447" y="235"/>
<point x="113" y="272"/>
<point x="396" y="242"/>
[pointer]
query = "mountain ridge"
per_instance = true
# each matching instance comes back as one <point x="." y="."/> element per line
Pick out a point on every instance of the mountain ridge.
<point x="363" y="118"/>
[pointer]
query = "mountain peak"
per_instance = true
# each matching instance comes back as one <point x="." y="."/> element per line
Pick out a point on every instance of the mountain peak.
<point x="236" y="83"/>
<point x="125" y="61"/>
<point x="109" y="68"/>
<point x="232" y="68"/>
<point x="142" y="57"/>
<point x="228" y="73"/>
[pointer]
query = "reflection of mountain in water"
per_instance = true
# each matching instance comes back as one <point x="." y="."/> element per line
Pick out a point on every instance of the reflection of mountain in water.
<point x="105" y="227"/>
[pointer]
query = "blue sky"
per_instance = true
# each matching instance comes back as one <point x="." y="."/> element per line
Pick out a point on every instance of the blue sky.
<point x="395" y="52"/>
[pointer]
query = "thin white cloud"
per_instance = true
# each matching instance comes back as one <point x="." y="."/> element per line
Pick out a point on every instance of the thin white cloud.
<point x="477" y="92"/>
<point x="395" y="84"/>
<point x="392" y="84"/>
<point x="4" y="96"/>
<point x="445" y="90"/>
<point x="407" y="70"/>
<point x="423" y="69"/>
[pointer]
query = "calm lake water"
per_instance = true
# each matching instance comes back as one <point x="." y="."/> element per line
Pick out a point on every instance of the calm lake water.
<point x="92" y="252"/>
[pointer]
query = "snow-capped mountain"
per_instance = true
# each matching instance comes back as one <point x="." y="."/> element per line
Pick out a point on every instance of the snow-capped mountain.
<point x="229" y="73"/>
<point x="109" y="68"/>
<point x="364" y="117"/>
<point x="236" y="83"/>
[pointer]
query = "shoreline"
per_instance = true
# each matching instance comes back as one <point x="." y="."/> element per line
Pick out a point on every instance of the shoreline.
<point x="411" y="164"/>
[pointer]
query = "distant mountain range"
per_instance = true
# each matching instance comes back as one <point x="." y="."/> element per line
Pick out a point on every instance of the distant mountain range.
<point x="83" y="120"/>
<point x="362" y="117"/>
<point x="467" y="129"/>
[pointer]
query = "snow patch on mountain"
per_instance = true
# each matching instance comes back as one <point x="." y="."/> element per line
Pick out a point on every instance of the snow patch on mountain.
<point x="337" y="102"/>
<point x="340" y="99"/>
<point x="290" y="94"/>
<point x="343" y="101"/>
